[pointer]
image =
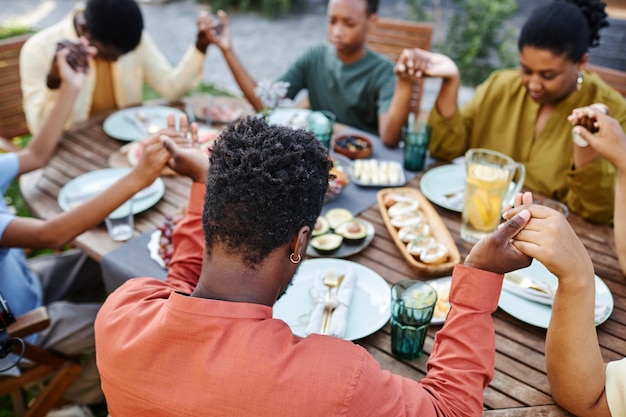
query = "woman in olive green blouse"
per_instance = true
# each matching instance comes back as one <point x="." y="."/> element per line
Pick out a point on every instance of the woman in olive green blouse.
<point x="523" y="112"/>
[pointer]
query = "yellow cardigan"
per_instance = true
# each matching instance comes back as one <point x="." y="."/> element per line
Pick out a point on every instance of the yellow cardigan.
<point x="501" y="116"/>
<point x="145" y="64"/>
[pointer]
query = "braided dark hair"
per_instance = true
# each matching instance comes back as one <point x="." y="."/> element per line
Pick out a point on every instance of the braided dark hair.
<point x="565" y="27"/>
<point x="264" y="183"/>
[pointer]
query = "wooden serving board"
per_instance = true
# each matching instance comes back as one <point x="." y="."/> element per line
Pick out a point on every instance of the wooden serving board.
<point x="438" y="229"/>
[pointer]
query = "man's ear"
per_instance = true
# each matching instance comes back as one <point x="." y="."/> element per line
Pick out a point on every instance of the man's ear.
<point x="372" y="19"/>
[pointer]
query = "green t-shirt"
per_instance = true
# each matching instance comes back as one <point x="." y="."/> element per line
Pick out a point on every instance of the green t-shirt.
<point x="357" y="93"/>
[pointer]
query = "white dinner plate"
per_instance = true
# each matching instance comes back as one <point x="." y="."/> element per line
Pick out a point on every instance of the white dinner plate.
<point x="127" y="124"/>
<point x="442" y="180"/>
<point x="369" y="307"/>
<point x="287" y="116"/>
<point x="442" y="286"/>
<point x="539" y="314"/>
<point x="87" y="185"/>
<point x="346" y="249"/>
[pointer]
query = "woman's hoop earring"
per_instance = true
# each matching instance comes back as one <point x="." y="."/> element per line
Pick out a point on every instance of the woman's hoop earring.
<point x="579" y="80"/>
<point x="295" y="261"/>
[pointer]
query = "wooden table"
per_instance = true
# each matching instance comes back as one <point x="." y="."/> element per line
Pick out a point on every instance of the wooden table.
<point x="84" y="148"/>
<point x="520" y="386"/>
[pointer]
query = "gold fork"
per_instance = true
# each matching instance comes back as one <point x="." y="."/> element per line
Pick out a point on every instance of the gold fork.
<point x="330" y="280"/>
<point x="526" y="282"/>
<point x="331" y="311"/>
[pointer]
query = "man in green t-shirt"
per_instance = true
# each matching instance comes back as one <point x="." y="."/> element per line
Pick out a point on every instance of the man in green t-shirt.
<point x="344" y="77"/>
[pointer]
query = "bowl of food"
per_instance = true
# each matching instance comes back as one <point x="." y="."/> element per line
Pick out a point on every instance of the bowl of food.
<point x="352" y="144"/>
<point x="338" y="181"/>
<point x="219" y="109"/>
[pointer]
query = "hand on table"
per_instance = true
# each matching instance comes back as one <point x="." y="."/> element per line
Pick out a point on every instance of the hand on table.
<point x="416" y="63"/>
<point x="550" y="239"/>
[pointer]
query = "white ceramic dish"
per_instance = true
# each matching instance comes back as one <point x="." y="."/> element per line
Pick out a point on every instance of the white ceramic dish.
<point x="538" y="314"/>
<point x="127" y="124"/>
<point x="398" y="168"/>
<point x="292" y="117"/>
<point x="442" y="286"/>
<point x="347" y="249"/>
<point x="444" y="186"/>
<point x="87" y="185"/>
<point x="369" y="307"/>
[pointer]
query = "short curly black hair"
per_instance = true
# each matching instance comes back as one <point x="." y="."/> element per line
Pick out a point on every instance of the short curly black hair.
<point x="565" y="27"/>
<point x="116" y="23"/>
<point x="264" y="183"/>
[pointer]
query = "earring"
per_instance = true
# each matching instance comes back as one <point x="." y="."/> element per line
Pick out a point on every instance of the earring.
<point x="295" y="261"/>
<point x="579" y="81"/>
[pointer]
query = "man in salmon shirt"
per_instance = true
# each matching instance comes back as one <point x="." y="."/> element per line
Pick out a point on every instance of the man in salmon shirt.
<point x="203" y="342"/>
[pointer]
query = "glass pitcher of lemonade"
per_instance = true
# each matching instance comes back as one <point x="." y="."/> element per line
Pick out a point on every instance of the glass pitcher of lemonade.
<point x="491" y="179"/>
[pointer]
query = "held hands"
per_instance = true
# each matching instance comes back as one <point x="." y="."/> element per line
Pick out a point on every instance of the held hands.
<point x="609" y="140"/>
<point x="416" y="63"/>
<point x="218" y="31"/>
<point x="183" y="158"/>
<point x="550" y="239"/>
<point x="76" y="55"/>
<point x="496" y="253"/>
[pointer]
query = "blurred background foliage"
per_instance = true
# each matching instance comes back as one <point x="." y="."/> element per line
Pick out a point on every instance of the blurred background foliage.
<point x="475" y="34"/>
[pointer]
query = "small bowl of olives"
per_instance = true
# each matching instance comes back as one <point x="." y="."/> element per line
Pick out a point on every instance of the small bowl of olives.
<point x="351" y="144"/>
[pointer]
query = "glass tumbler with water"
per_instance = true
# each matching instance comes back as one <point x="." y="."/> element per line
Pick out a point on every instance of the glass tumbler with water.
<point x="412" y="306"/>
<point x="120" y="223"/>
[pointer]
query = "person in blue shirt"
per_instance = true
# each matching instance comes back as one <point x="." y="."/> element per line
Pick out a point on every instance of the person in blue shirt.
<point x="71" y="329"/>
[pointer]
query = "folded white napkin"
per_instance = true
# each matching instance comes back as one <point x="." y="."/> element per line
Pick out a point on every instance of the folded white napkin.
<point x="340" y="298"/>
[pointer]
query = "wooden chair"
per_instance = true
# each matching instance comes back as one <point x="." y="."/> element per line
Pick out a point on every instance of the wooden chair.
<point x="12" y="118"/>
<point x="390" y="37"/>
<point x="614" y="78"/>
<point x="53" y="372"/>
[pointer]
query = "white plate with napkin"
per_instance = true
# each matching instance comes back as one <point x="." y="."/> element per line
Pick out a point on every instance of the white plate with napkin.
<point x="367" y="311"/>
<point x="535" y="309"/>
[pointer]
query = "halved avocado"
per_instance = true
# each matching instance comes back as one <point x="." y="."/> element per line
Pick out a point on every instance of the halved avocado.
<point x="337" y="216"/>
<point x="321" y="227"/>
<point x="353" y="232"/>
<point x="326" y="243"/>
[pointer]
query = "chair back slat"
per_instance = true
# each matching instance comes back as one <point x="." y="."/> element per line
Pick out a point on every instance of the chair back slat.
<point x="12" y="118"/>
<point x="614" y="78"/>
<point x="389" y="37"/>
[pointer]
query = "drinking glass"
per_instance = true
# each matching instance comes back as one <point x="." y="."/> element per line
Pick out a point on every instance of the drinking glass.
<point x="412" y="306"/>
<point x="120" y="223"/>
<point x="321" y="124"/>
<point x="489" y="185"/>
<point x="416" y="138"/>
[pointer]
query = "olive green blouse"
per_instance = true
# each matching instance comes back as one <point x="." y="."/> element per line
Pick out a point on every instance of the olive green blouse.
<point x="501" y="116"/>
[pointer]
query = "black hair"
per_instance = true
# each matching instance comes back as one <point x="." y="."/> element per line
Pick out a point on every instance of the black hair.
<point x="116" y="23"/>
<point x="264" y="183"/>
<point x="372" y="7"/>
<point x="565" y="27"/>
